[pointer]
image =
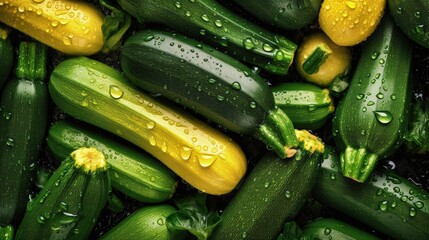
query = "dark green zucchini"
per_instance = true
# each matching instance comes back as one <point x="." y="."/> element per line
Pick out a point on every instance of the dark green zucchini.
<point x="387" y="202"/>
<point x="273" y="192"/>
<point x="6" y="55"/>
<point x="70" y="202"/>
<point x="148" y="222"/>
<point x="413" y="18"/>
<point x="133" y="172"/>
<point x="287" y="15"/>
<point x="307" y="105"/>
<point x="211" y="22"/>
<point x="209" y="82"/>
<point x="23" y="124"/>
<point x="370" y="121"/>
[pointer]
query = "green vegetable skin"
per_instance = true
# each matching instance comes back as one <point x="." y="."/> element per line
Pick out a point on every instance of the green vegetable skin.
<point x="388" y="203"/>
<point x="6" y="55"/>
<point x="213" y="23"/>
<point x="134" y="172"/>
<point x="370" y="121"/>
<point x="23" y="124"/>
<point x="209" y="82"/>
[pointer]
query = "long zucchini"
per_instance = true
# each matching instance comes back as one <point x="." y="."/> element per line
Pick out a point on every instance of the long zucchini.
<point x="213" y="23"/>
<point x="209" y="82"/>
<point x="98" y="94"/>
<point x="71" y="201"/>
<point x="23" y="126"/>
<point x="6" y="55"/>
<point x="132" y="171"/>
<point x="371" y="120"/>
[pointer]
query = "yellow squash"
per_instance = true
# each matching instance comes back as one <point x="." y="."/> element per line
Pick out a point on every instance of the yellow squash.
<point x="349" y="22"/>
<point x="72" y="27"/>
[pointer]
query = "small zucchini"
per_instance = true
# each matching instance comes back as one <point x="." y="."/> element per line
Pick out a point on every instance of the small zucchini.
<point x="70" y="202"/>
<point x="23" y="126"/>
<point x="213" y="23"/>
<point x="273" y="192"/>
<point x="134" y="172"/>
<point x="72" y="27"/>
<point x="6" y="55"/>
<point x="350" y="22"/>
<point x="371" y="119"/>
<point x="387" y="202"/>
<point x="307" y="105"/>
<point x="93" y="92"/>
<point x="209" y="82"/>
<point x="146" y="223"/>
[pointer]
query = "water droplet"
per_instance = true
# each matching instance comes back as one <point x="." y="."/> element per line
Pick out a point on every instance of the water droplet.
<point x="252" y="104"/>
<point x="351" y="4"/>
<point x="327" y="231"/>
<point x="185" y="153"/>
<point x="206" y="160"/>
<point x="288" y="194"/>
<point x="10" y="142"/>
<point x="383" y="117"/>
<point x="115" y="92"/>
<point x="413" y="212"/>
<point x="54" y="23"/>
<point x="236" y="85"/>
<point x="160" y="221"/>
<point x="333" y="176"/>
<point x="148" y="38"/>
<point x="375" y="55"/>
<point x="248" y="44"/>
<point x="218" y="23"/>
<point x="38" y="1"/>
<point x="150" y="125"/>
<point x="178" y="4"/>
<point x="380" y="95"/>
<point x="419" y="204"/>
<point x="205" y="18"/>
<point x="383" y="205"/>
<point x="220" y="98"/>
<point x="266" y="184"/>
<point x="370" y="103"/>
<point x="393" y="97"/>
<point x="360" y="96"/>
<point x="152" y="140"/>
<point x="267" y="47"/>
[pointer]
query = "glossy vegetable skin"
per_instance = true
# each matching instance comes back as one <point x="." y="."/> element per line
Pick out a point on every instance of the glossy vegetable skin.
<point x="210" y="83"/>
<point x="6" y="55"/>
<point x="72" y="27"/>
<point x="134" y="172"/>
<point x="98" y="94"/>
<point x="370" y="121"/>
<point x="211" y="22"/>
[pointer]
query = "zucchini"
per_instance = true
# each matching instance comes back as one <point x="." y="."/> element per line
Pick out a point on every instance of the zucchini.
<point x="148" y="222"/>
<point x="273" y="192"/>
<point x="211" y="22"/>
<point x="331" y="228"/>
<point x="134" y="172"/>
<point x="6" y="55"/>
<point x="70" y="202"/>
<point x="371" y="120"/>
<point x="348" y="23"/>
<point x="93" y="92"/>
<point x="6" y="232"/>
<point x="23" y="126"/>
<point x="307" y="105"/>
<point x="387" y="202"/>
<point x="71" y="27"/>
<point x="413" y="19"/>
<point x="287" y="15"/>
<point x="209" y="82"/>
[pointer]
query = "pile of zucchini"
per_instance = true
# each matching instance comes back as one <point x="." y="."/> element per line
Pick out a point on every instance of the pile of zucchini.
<point x="214" y="119"/>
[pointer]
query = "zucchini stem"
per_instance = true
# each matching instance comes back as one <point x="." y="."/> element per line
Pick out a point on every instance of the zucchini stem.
<point x="31" y="63"/>
<point x="278" y="133"/>
<point x="357" y="164"/>
<point x="89" y="159"/>
<point x="315" y="60"/>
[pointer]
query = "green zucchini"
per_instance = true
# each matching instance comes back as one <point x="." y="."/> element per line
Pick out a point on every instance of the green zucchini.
<point x="148" y="222"/>
<point x="70" y="202"/>
<point x="23" y="126"/>
<point x="6" y="232"/>
<point x="211" y="22"/>
<point x="413" y="19"/>
<point x="287" y="15"/>
<point x="387" y="202"/>
<point x="371" y="120"/>
<point x="133" y="172"/>
<point x="274" y="191"/>
<point x="6" y="55"/>
<point x="307" y="105"/>
<point x="201" y="155"/>
<point x="209" y="82"/>
<point x="331" y="228"/>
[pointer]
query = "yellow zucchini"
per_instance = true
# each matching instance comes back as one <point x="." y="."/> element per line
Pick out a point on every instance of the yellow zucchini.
<point x="72" y="27"/>
<point x="349" y="22"/>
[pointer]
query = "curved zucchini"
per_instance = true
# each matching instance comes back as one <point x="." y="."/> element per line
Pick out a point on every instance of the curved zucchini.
<point x="288" y="15"/>
<point x="209" y="82"/>
<point x="6" y="55"/>
<point x="213" y="23"/>
<point x="70" y="202"/>
<point x="413" y="19"/>
<point x="72" y="27"/>
<point x="307" y="105"/>
<point x="146" y="223"/>
<point x="23" y="126"/>
<point x="387" y="202"/>
<point x="371" y="120"/>
<point x="132" y="171"/>
<point x="98" y="94"/>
